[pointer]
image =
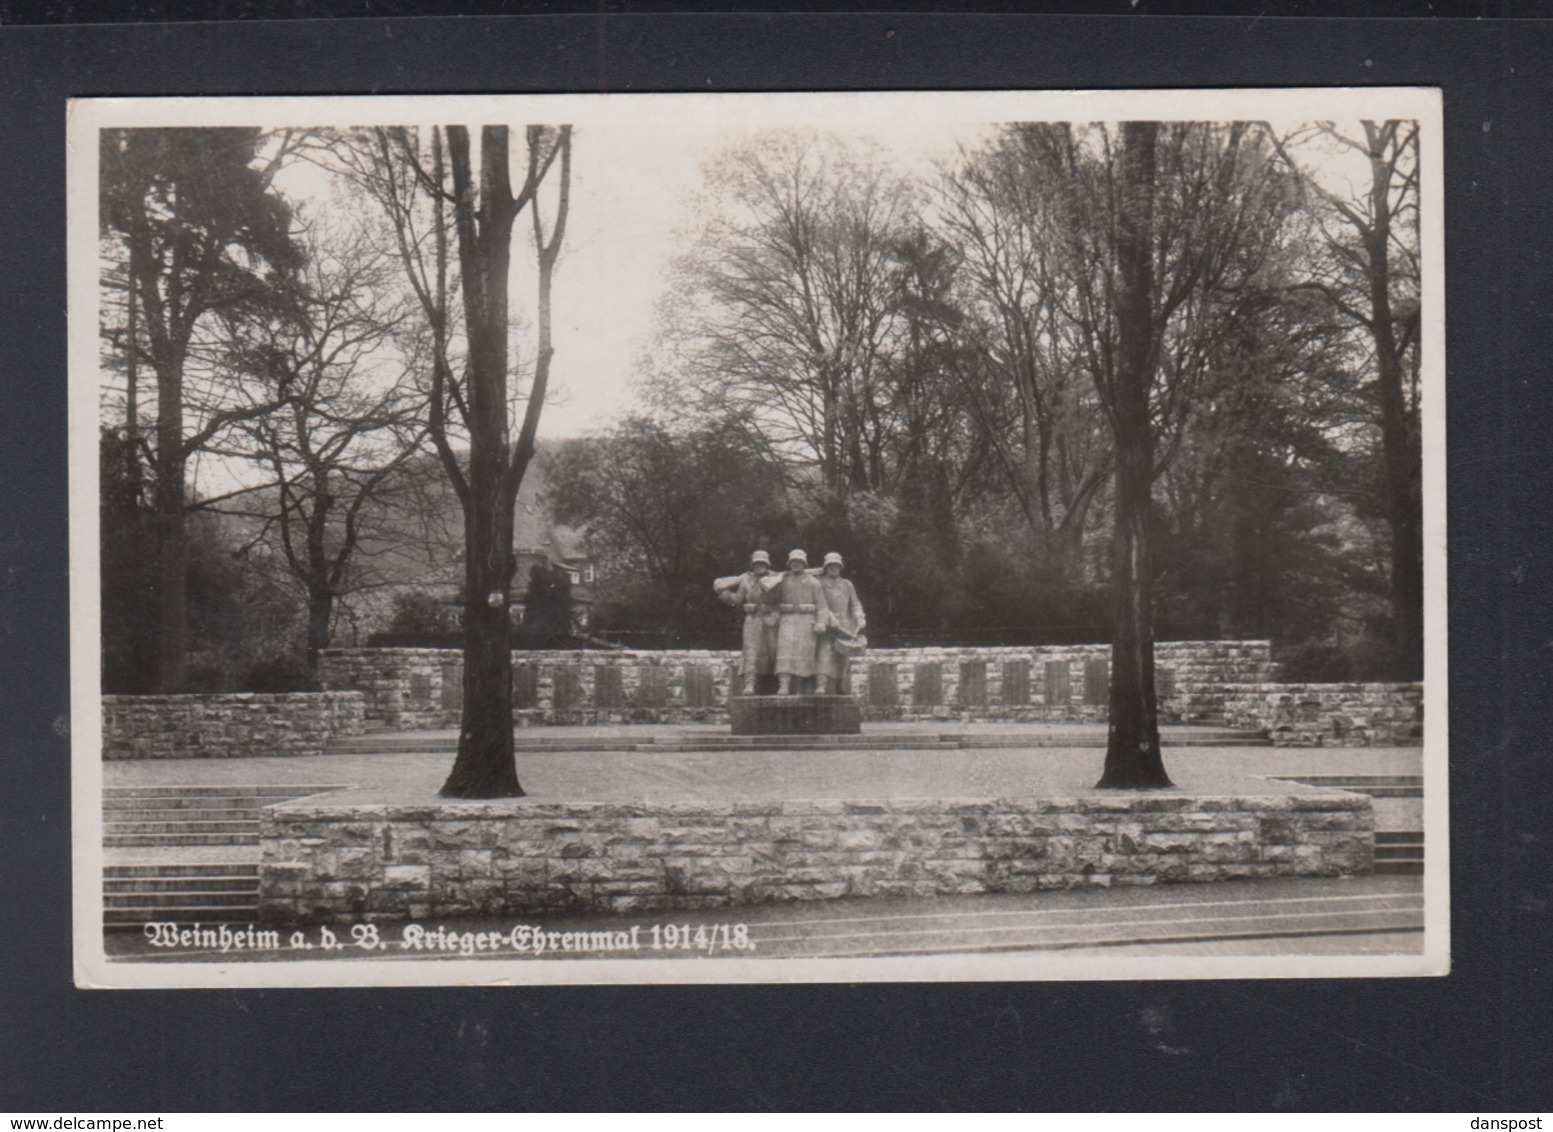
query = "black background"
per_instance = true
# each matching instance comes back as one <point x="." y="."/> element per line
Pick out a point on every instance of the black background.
<point x="1479" y="1040"/>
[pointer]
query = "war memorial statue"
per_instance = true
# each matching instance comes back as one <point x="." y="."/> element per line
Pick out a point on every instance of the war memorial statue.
<point x="843" y="621"/>
<point x="799" y="598"/>
<point x="801" y="626"/>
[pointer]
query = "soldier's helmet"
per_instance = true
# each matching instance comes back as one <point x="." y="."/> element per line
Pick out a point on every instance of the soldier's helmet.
<point x="833" y="559"/>
<point x="760" y="556"/>
<point x="797" y="556"/>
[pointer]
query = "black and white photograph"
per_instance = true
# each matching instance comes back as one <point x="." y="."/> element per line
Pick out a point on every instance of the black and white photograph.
<point x="682" y="538"/>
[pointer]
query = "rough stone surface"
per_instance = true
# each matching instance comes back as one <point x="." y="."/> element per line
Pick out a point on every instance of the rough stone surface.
<point x="228" y="726"/>
<point x="408" y="688"/>
<point x="1329" y="715"/>
<point x="795" y="715"/>
<point x="346" y="861"/>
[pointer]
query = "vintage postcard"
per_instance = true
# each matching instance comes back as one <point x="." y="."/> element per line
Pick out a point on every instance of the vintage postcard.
<point x="758" y="538"/>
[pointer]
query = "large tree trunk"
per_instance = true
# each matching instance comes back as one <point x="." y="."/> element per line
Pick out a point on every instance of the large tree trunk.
<point x="1404" y="506"/>
<point x="486" y="765"/>
<point x="320" y="612"/>
<point x="172" y="554"/>
<point x="1132" y="757"/>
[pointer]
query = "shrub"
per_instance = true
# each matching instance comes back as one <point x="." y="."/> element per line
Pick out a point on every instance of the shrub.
<point x="209" y="673"/>
<point x="420" y="613"/>
<point x="1363" y="660"/>
<point x="276" y="674"/>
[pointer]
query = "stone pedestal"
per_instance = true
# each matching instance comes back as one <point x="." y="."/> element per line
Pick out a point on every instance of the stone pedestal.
<point x="795" y="715"/>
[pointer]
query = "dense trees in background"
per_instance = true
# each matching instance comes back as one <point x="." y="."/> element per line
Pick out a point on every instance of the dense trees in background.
<point x="1165" y="240"/>
<point x="200" y="239"/>
<point x="328" y="369"/>
<point x="242" y="624"/>
<point x="669" y="511"/>
<point x="1085" y="382"/>
<point x="1160" y="361"/>
<point x="1366" y="267"/>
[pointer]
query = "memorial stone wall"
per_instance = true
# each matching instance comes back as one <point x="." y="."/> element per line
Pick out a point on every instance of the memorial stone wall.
<point x="328" y="859"/>
<point x="1328" y="715"/>
<point x="422" y="688"/>
<point x="246" y="725"/>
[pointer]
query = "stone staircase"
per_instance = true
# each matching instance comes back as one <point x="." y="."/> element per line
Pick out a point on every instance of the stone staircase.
<point x="157" y="816"/>
<point x="1398" y="852"/>
<point x="207" y="869"/>
<point x="1375" y="785"/>
<point x="226" y="892"/>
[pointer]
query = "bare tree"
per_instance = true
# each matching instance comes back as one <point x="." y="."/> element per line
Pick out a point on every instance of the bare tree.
<point x="440" y="200"/>
<point x="1162" y="230"/>
<point x="783" y="315"/>
<point x="1057" y="453"/>
<point x="1370" y="274"/>
<point x="334" y="454"/>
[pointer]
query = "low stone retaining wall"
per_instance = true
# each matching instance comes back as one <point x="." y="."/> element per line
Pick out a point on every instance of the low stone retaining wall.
<point x="228" y="726"/>
<point x="343" y="861"/>
<point x="1329" y="715"/>
<point x="423" y="688"/>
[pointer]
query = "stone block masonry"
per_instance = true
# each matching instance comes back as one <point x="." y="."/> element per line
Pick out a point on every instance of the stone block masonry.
<point x="418" y="688"/>
<point x="1329" y="715"/>
<point x="347" y="861"/>
<point x="228" y="726"/>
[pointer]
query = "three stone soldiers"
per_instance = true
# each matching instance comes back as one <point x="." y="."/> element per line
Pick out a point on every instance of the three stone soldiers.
<point x="761" y="616"/>
<point x="797" y="626"/>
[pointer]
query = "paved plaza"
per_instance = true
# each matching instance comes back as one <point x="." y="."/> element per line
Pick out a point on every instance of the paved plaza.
<point x="409" y="764"/>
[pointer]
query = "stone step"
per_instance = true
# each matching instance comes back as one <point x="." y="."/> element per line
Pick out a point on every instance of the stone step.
<point x="1375" y="785"/>
<point x="1360" y="779"/>
<point x="877" y="741"/>
<point x="1170" y="737"/>
<point x="226" y="826"/>
<point x="1399" y="837"/>
<point x="1399" y="868"/>
<point x="180" y="817"/>
<point x="201" y="791"/>
<point x="237" y="901"/>
<point x="245" y="870"/>
<point x="247" y="804"/>
<point x="1066" y="937"/>
<point x="152" y="882"/>
<point x="170" y="840"/>
<point x="822" y="742"/>
<point x="400" y="742"/>
<point x="189" y="914"/>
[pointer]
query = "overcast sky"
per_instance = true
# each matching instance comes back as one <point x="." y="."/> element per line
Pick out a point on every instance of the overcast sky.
<point x="632" y="210"/>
